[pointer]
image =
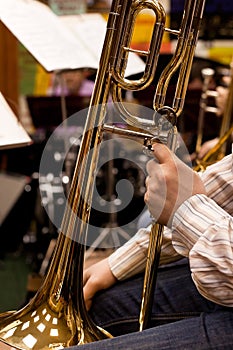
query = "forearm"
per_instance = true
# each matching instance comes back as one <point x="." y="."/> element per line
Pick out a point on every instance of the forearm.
<point x="203" y="232"/>
<point x="130" y="259"/>
<point x="218" y="180"/>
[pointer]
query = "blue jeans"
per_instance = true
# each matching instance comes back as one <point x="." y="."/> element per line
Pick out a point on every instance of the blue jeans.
<point x="181" y="317"/>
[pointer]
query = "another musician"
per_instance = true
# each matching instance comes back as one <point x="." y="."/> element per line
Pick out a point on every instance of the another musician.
<point x="221" y="100"/>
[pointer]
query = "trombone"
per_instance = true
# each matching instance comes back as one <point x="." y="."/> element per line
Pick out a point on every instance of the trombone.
<point x="207" y="74"/>
<point x="226" y="130"/>
<point x="56" y="316"/>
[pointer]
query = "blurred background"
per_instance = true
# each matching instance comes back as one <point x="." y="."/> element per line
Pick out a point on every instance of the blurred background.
<point x="36" y="97"/>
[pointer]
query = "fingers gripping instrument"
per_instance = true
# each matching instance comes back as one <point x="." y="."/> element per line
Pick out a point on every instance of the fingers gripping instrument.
<point x="182" y="59"/>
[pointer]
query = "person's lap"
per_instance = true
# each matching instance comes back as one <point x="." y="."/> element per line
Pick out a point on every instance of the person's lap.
<point x="204" y="332"/>
<point x="176" y="297"/>
<point x="181" y="317"/>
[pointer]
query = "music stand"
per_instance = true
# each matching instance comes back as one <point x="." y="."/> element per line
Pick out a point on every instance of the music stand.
<point x="12" y="133"/>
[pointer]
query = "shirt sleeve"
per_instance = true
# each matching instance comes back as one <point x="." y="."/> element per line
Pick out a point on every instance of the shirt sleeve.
<point x="218" y="180"/>
<point x="130" y="259"/>
<point x="203" y="232"/>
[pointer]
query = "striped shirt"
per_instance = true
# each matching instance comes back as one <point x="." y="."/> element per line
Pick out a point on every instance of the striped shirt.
<point x="202" y="230"/>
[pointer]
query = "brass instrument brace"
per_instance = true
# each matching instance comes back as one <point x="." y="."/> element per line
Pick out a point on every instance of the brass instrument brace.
<point x="164" y="131"/>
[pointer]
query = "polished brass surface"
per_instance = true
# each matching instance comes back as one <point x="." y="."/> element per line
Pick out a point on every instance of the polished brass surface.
<point x="207" y="74"/>
<point x="56" y="317"/>
<point x="182" y="59"/>
<point x="149" y="284"/>
<point x="216" y="153"/>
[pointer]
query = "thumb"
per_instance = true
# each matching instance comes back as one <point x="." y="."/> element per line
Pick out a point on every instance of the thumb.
<point x="161" y="152"/>
<point x="88" y="294"/>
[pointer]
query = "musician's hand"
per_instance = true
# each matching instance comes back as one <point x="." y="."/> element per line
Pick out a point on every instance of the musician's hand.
<point x="95" y="278"/>
<point x="169" y="183"/>
<point x="206" y="147"/>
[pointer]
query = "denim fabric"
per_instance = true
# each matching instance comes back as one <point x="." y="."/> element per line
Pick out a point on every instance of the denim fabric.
<point x="181" y="317"/>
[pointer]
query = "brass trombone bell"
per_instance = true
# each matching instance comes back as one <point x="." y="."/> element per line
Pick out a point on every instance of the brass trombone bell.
<point x="56" y="317"/>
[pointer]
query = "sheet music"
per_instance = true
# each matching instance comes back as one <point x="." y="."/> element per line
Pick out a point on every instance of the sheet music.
<point x="8" y="198"/>
<point x="80" y="24"/>
<point x="52" y="42"/>
<point x="12" y="133"/>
